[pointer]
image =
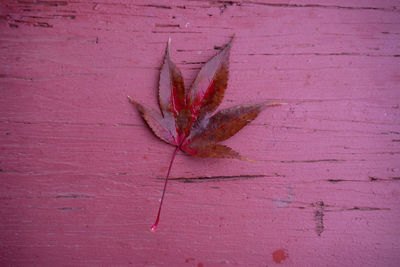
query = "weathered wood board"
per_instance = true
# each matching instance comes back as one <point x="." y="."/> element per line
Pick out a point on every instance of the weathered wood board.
<point x="81" y="175"/>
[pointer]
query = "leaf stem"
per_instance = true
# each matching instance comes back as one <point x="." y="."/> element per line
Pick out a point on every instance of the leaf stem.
<point x="154" y="227"/>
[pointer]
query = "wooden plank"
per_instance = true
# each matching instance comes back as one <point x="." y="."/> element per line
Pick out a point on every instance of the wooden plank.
<point x="82" y="175"/>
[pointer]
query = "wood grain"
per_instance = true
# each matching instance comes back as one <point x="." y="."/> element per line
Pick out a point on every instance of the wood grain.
<point x="81" y="175"/>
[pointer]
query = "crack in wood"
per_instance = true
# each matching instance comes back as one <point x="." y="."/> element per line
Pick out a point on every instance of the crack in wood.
<point x="370" y="179"/>
<point x="312" y="161"/>
<point x="50" y="17"/>
<point x="357" y="208"/>
<point x="175" y="32"/>
<point x="389" y="133"/>
<point x="167" y="25"/>
<point x="44" y="3"/>
<point x="42" y="24"/>
<point x="201" y="179"/>
<point x="376" y="179"/>
<point x="71" y="123"/>
<point x="321" y="6"/>
<point x="7" y="76"/>
<point x="70" y="208"/>
<point x="324" y="54"/>
<point x="373" y="179"/>
<point x="366" y="208"/>
<point x="336" y="180"/>
<point x="74" y="196"/>
<point x="192" y="63"/>
<point x="156" y="6"/>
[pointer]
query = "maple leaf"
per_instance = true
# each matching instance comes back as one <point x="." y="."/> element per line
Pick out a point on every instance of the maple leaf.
<point x="187" y="120"/>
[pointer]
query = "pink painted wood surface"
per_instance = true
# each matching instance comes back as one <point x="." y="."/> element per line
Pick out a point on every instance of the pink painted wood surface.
<point x="81" y="175"/>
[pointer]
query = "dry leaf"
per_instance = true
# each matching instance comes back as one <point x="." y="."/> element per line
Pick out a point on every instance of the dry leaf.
<point x="187" y="118"/>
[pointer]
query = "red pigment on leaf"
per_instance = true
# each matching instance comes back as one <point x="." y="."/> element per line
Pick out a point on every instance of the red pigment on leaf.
<point x="280" y="255"/>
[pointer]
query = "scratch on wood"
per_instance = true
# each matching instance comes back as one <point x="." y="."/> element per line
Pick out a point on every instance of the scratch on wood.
<point x="319" y="217"/>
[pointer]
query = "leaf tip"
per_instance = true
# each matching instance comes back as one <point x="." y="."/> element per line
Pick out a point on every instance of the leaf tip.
<point x="131" y="100"/>
<point x="168" y="46"/>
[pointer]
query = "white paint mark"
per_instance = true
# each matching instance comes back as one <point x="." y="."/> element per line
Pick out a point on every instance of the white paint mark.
<point x="187" y="24"/>
<point x="281" y="203"/>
